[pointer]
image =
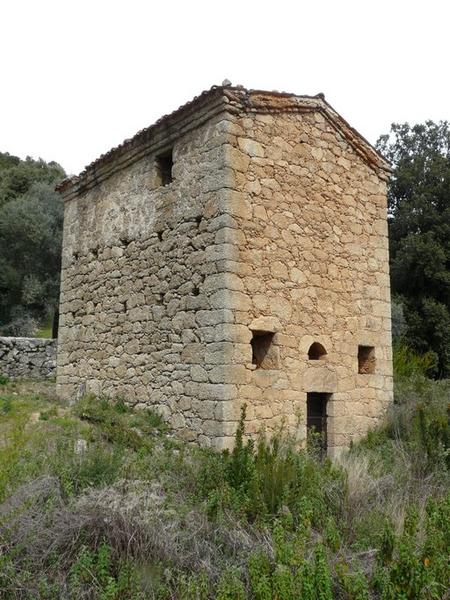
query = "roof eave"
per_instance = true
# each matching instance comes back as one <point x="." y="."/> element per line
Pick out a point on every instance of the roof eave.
<point x="237" y="100"/>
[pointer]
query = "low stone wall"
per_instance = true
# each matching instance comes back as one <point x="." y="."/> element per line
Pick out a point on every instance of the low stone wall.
<point x="32" y="358"/>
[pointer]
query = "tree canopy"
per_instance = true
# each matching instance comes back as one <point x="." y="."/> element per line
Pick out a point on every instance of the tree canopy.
<point x="31" y="217"/>
<point x="419" y="233"/>
<point x="17" y="176"/>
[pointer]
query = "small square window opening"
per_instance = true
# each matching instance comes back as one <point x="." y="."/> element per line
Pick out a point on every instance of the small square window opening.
<point x="366" y="360"/>
<point x="164" y="164"/>
<point x="264" y="353"/>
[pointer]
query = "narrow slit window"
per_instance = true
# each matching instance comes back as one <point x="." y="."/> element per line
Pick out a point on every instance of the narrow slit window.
<point x="164" y="164"/>
<point x="366" y="360"/>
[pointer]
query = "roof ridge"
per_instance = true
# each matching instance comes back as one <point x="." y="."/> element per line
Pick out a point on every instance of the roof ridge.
<point x="235" y="99"/>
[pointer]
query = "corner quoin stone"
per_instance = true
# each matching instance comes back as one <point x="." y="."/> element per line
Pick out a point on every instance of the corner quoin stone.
<point x="242" y="215"/>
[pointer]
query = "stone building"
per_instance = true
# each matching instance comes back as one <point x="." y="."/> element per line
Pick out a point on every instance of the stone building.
<point x="234" y="252"/>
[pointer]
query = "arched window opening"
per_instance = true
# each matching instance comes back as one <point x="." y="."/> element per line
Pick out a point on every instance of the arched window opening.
<point x="316" y="351"/>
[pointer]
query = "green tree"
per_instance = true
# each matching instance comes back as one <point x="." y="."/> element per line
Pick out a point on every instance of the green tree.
<point x="17" y="176"/>
<point x="419" y="232"/>
<point x="30" y="257"/>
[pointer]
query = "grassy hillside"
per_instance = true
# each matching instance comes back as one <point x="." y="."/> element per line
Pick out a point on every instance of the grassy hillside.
<point x="99" y="502"/>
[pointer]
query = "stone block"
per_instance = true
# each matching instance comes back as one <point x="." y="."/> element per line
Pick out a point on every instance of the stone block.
<point x="236" y="374"/>
<point x="193" y="353"/>
<point x="269" y="324"/>
<point x="231" y="300"/>
<point x="251" y="147"/>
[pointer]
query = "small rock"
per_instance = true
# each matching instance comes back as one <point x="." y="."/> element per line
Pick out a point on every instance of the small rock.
<point x="80" y="446"/>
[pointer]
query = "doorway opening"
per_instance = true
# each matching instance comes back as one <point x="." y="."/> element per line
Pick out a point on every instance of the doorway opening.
<point x="316" y="418"/>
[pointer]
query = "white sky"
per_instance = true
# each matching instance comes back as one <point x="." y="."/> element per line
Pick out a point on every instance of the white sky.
<point x="78" y="77"/>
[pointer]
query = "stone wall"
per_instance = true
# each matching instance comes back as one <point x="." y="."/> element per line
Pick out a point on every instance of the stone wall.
<point x="23" y="358"/>
<point x="312" y="268"/>
<point x="198" y="295"/>
<point x="140" y="315"/>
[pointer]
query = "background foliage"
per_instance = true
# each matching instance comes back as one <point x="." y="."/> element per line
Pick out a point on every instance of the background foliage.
<point x="419" y="234"/>
<point x="31" y="217"/>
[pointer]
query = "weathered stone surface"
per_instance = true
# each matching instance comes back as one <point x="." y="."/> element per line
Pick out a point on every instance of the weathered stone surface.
<point x="22" y="358"/>
<point x="271" y="324"/>
<point x="275" y="221"/>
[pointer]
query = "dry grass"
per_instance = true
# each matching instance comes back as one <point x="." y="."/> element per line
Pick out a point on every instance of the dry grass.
<point x="166" y="507"/>
<point x="143" y="530"/>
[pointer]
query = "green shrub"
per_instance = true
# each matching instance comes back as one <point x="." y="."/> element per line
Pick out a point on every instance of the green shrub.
<point x="97" y="574"/>
<point x="193" y="587"/>
<point x="387" y="544"/>
<point x="354" y="584"/>
<point x="230" y="586"/>
<point x="284" y="584"/>
<point x="408" y="363"/>
<point x="265" y="478"/>
<point x="118" y="423"/>
<point x="97" y="466"/>
<point x="307" y="582"/>
<point x="419" y="421"/>
<point x="413" y="565"/>
<point x="259" y="569"/>
<point x="5" y="405"/>
<point x="322" y="576"/>
<point x="240" y="467"/>
<point x="155" y="420"/>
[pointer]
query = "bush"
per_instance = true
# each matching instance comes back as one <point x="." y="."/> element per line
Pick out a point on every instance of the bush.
<point x="20" y="325"/>
<point x="408" y="363"/>
<point x="231" y="587"/>
<point x="263" y="480"/>
<point x="96" y="573"/>
<point x="416" y="565"/>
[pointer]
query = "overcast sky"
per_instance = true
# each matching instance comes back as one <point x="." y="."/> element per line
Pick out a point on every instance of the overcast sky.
<point x="78" y="77"/>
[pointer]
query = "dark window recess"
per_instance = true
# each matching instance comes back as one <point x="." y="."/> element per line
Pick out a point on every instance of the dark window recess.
<point x="366" y="360"/>
<point x="316" y="351"/>
<point x="264" y="353"/>
<point x="55" y="323"/>
<point x="164" y="163"/>
<point x="316" y="416"/>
